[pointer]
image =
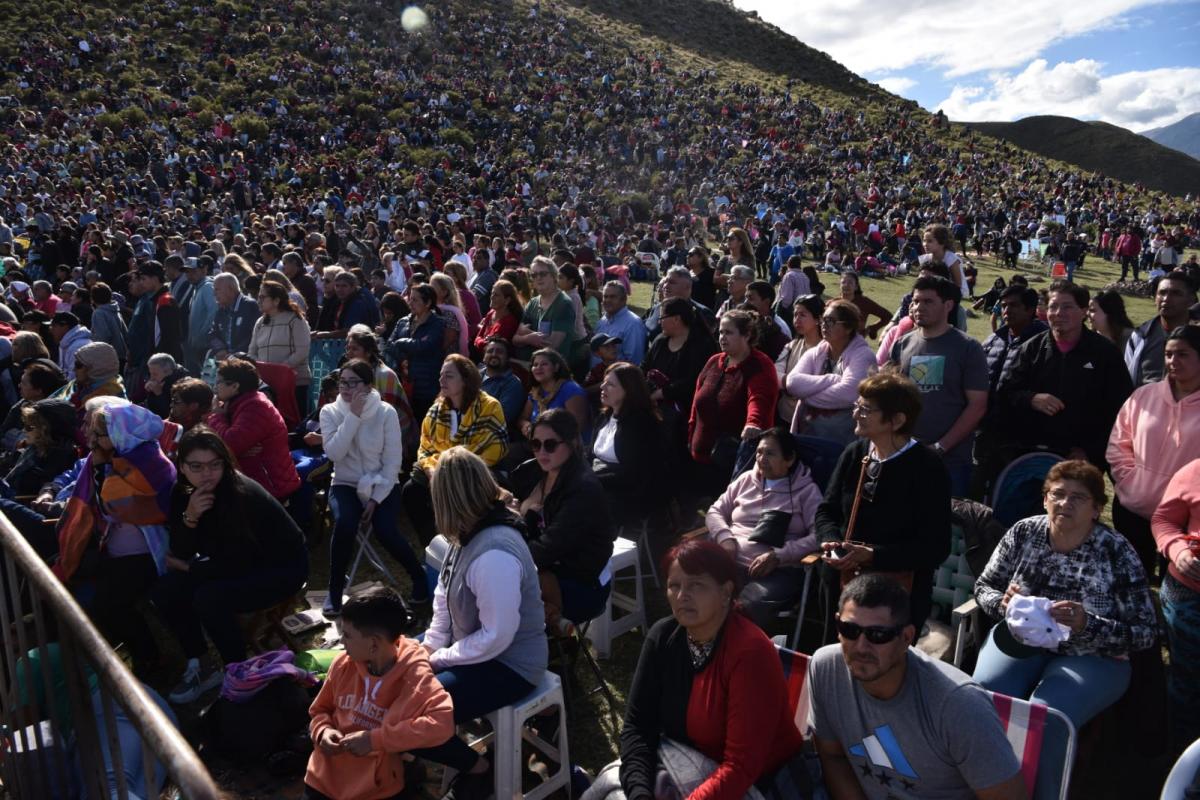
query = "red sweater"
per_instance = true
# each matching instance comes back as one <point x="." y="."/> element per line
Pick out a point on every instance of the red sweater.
<point x="735" y="710"/>
<point x="250" y="423"/>
<point x="728" y="398"/>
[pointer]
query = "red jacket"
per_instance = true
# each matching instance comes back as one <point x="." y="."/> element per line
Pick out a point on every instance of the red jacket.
<point x="250" y="422"/>
<point x="730" y="398"/>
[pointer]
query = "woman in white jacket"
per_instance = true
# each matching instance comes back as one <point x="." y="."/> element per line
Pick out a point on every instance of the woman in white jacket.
<point x="825" y="380"/>
<point x="361" y="436"/>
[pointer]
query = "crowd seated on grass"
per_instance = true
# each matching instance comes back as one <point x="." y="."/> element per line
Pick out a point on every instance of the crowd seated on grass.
<point x="216" y="333"/>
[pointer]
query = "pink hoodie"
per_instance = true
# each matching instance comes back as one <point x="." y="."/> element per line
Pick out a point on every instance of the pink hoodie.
<point x="1177" y="516"/>
<point x="1154" y="436"/>
<point x="835" y="390"/>
<point x="736" y="512"/>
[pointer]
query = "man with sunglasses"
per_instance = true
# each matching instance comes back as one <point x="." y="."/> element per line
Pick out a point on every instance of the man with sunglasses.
<point x="890" y="722"/>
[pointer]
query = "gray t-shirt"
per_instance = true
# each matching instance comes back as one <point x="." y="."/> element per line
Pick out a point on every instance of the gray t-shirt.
<point x="939" y="738"/>
<point x="944" y="369"/>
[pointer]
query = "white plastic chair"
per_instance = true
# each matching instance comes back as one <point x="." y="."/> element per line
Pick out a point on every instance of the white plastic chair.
<point x="604" y="628"/>
<point x="1183" y="774"/>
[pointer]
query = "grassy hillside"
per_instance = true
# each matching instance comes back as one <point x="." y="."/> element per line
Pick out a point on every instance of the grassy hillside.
<point x="1100" y="147"/>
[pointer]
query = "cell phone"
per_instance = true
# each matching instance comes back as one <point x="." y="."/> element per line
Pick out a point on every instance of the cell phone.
<point x="839" y="551"/>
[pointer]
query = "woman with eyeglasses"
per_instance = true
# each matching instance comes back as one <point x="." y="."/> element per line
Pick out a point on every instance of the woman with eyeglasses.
<point x="887" y="505"/>
<point x="806" y="334"/>
<point x="709" y="687"/>
<point x="571" y="534"/>
<point x="419" y="340"/>
<point x="1100" y="605"/>
<point x="253" y="428"/>
<point x="361" y="436"/>
<point x="463" y="415"/>
<point x="233" y="550"/>
<point x="549" y="317"/>
<point x="49" y="431"/>
<point x="825" y="381"/>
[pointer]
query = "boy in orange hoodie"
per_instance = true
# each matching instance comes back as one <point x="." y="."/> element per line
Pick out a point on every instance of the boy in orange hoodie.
<point x="379" y="701"/>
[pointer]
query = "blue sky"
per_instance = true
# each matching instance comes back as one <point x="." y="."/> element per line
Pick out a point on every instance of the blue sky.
<point x="1134" y="63"/>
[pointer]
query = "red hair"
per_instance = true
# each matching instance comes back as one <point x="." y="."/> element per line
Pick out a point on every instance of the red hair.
<point x="704" y="557"/>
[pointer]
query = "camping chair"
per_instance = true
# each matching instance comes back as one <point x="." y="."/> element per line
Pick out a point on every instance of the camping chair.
<point x="1024" y="724"/>
<point x="795" y="674"/>
<point x="1017" y="493"/>
<point x="1183" y="775"/>
<point x="282" y="380"/>
<point x="365" y="548"/>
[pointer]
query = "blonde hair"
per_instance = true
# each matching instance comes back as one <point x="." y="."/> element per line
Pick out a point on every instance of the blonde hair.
<point x="441" y="280"/>
<point x="463" y="491"/>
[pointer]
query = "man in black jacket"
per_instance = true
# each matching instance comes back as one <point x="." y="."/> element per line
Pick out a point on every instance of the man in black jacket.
<point x="1144" y="353"/>
<point x="1067" y="384"/>
<point x="168" y="337"/>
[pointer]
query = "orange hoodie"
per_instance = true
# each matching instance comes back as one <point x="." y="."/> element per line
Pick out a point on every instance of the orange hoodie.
<point x="405" y="708"/>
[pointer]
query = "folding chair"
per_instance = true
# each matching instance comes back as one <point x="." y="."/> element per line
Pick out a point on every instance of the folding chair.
<point x="1183" y="775"/>
<point x="365" y="548"/>
<point x="1024" y="724"/>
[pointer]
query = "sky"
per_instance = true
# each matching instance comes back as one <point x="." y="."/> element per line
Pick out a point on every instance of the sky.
<point x="1133" y="63"/>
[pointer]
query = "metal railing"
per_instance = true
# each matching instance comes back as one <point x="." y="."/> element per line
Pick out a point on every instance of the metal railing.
<point x="57" y="746"/>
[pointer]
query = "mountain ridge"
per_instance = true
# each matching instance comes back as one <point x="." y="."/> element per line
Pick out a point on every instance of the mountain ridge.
<point x="1183" y="135"/>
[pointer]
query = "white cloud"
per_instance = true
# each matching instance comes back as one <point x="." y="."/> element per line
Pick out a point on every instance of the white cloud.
<point x="897" y="84"/>
<point x="1138" y="100"/>
<point x="956" y="37"/>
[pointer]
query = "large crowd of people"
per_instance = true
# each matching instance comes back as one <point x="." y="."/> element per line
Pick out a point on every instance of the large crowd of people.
<point x="430" y="293"/>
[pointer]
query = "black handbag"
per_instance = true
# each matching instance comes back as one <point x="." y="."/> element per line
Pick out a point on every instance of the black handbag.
<point x="772" y="528"/>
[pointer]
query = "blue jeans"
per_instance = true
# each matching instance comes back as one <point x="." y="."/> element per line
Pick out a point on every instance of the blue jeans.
<point x="347" y="510"/>
<point x="476" y="689"/>
<point x="1078" y="686"/>
<point x="1181" y="607"/>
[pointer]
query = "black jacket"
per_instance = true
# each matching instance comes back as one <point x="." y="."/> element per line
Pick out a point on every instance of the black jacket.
<point x="682" y="368"/>
<point x="238" y="535"/>
<point x="639" y="446"/>
<point x="1090" y="380"/>
<point x="907" y="520"/>
<point x="574" y="535"/>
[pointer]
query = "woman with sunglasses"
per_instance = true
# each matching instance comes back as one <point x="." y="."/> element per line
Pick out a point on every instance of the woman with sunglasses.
<point x="1099" y="593"/>
<point x="826" y="379"/>
<point x="709" y="684"/>
<point x="361" y="436"/>
<point x="570" y="532"/>
<point x="887" y="505"/>
<point x="233" y="550"/>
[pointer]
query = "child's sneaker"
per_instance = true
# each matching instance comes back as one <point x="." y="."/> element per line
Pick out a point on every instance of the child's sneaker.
<point x="194" y="683"/>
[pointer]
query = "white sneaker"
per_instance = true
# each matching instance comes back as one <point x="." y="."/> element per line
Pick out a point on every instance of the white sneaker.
<point x="194" y="684"/>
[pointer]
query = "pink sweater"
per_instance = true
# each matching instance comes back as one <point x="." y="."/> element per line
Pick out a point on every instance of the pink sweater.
<point x="837" y="389"/>
<point x="1154" y="436"/>
<point x="1177" y="516"/>
<point x="737" y="511"/>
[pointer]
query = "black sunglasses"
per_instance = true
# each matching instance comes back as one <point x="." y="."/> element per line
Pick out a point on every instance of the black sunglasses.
<point x="551" y="445"/>
<point x="876" y="634"/>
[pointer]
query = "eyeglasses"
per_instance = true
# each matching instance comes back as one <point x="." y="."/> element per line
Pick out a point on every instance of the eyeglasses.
<point x="350" y="384"/>
<point x="829" y="322"/>
<point x="876" y="634"/>
<point x="205" y="466"/>
<point x="874" y="469"/>
<point x="550" y="445"/>
<point x="1060" y="497"/>
<point x="862" y="410"/>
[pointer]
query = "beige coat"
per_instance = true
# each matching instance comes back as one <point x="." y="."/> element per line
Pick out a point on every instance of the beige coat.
<point x="283" y="339"/>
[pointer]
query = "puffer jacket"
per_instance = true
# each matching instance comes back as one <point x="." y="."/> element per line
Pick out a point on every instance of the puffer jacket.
<point x="108" y="326"/>
<point x="250" y="420"/>
<point x="366" y="449"/>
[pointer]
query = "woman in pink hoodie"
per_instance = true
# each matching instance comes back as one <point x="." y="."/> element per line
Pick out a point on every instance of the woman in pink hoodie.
<point x="765" y="521"/>
<point x="1175" y="522"/>
<point x="825" y="381"/>
<point x="1156" y="433"/>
